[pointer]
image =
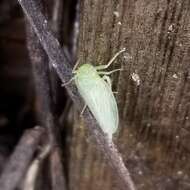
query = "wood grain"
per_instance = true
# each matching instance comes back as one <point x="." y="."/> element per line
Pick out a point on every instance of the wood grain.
<point x="154" y="133"/>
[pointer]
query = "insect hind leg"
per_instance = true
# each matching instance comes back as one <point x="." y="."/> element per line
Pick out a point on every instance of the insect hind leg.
<point x="108" y="80"/>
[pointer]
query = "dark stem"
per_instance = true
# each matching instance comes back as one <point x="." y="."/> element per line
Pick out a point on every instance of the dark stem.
<point x="44" y="93"/>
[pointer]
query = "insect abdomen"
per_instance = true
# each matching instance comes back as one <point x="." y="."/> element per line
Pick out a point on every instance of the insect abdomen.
<point x="101" y="102"/>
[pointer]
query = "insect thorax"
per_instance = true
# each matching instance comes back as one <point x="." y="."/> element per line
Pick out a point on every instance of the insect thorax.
<point x="86" y="71"/>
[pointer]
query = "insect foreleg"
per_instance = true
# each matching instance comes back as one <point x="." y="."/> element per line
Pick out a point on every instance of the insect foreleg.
<point x="68" y="82"/>
<point x="76" y="65"/>
<point x="83" y="109"/>
<point x="101" y="67"/>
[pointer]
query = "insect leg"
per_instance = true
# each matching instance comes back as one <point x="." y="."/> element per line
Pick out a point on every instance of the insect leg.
<point x="108" y="72"/>
<point x="101" y="67"/>
<point x="68" y="82"/>
<point x="108" y="80"/>
<point x="76" y="65"/>
<point x="83" y="109"/>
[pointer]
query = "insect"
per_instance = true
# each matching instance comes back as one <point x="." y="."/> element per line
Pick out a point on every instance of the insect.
<point x="97" y="94"/>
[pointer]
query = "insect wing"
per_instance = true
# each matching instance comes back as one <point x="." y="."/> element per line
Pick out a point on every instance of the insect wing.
<point x="101" y="101"/>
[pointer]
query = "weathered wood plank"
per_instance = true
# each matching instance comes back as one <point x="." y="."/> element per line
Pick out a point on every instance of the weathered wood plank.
<point x="154" y="135"/>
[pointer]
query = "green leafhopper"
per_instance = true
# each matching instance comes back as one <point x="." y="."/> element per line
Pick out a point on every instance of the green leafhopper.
<point x="97" y="94"/>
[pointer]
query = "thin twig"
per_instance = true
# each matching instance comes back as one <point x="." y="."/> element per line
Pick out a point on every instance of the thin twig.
<point x="40" y="70"/>
<point x="61" y="64"/>
<point x="31" y="175"/>
<point x="20" y="159"/>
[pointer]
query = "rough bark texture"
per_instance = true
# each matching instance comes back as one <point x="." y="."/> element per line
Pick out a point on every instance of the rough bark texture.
<point x="153" y="92"/>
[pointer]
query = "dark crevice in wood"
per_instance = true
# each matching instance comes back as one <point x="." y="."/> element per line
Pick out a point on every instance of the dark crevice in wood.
<point x="162" y="31"/>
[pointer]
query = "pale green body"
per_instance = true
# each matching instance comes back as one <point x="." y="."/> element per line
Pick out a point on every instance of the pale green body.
<point x="99" y="97"/>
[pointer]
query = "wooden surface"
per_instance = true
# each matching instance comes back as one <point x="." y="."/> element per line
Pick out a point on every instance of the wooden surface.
<point x="153" y="92"/>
